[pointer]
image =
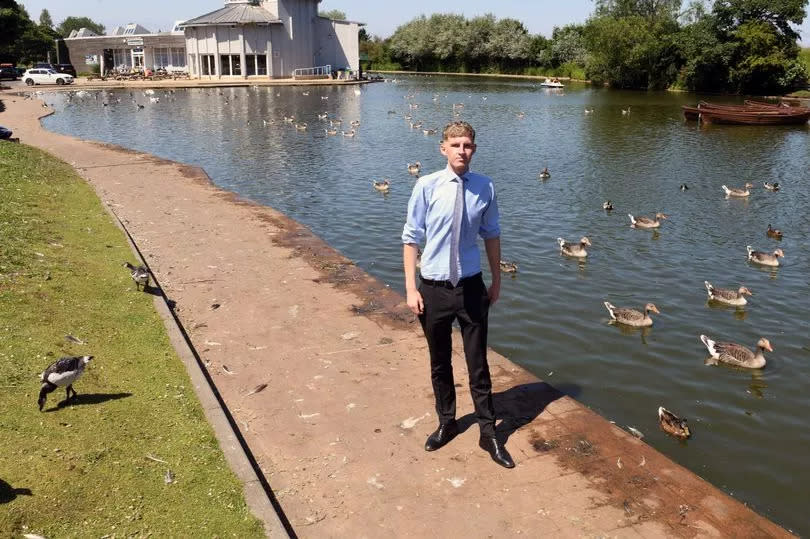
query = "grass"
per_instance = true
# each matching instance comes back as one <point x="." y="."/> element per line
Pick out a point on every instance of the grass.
<point x="81" y="469"/>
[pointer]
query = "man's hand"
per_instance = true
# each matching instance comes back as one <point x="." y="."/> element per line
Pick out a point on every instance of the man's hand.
<point x="494" y="292"/>
<point x="415" y="303"/>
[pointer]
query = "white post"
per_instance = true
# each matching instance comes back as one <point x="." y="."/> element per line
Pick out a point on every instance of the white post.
<point x="101" y="63"/>
<point x="269" y="53"/>
<point x="242" y="59"/>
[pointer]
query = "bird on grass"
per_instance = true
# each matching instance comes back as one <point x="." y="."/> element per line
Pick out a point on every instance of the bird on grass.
<point x="764" y="259"/>
<point x="61" y="373"/>
<point x="736" y="354"/>
<point x="632" y="317"/>
<point x="672" y="424"/>
<point x="139" y="274"/>
<point x="727" y="295"/>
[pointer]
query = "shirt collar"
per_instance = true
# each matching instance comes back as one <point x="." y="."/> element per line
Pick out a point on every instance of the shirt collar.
<point x="450" y="175"/>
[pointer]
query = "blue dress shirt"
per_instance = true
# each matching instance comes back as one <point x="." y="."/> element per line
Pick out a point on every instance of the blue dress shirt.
<point x="430" y="219"/>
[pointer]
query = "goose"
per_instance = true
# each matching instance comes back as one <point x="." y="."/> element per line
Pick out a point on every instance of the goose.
<point x="62" y="372"/>
<point x="154" y="100"/>
<point x="414" y="168"/>
<point x="735" y="354"/>
<point x="323" y="116"/>
<point x="304" y="93"/>
<point x="646" y="222"/>
<point x="773" y="232"/>
<point x="672" y="424"/>
<point x="728" y="295"/>
<point x="684" y="187"/>
<point x="139" y="106"/>
<point x="771" y="186"/>
<point x="626" y="112"/>
<point x="330" y="132"/>
<point x="355" y="123"/>
<point x="508" y="267"/>
<point x="416" y="125"/>
<point x="574" y="249"/>
<point x="324" y="97"/>
<point x="632" y="317"/>
<point x="349" y="134"/>
<point x="520" y="115"/>
<point x="588" y="111"/>
<point x="335" y="123"/>
<point x="429" y="131"/>
<point x="302" y="126"/>
<point x="289" y="119"/>
<point x="545" y="174"/>
<point x="392" y="112"/>
<point x="764" y="259"/>
<point x="383" y="185"/>
<point x="139" y="274"/>
<point x="735" y="192"/>
<point x="607" y="205"/>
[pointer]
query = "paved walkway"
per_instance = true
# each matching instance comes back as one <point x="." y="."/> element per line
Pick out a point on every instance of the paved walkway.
<point x="340" y="426"/>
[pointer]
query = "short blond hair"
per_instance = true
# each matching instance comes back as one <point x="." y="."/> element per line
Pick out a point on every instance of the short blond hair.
<point x="458" y="129"/>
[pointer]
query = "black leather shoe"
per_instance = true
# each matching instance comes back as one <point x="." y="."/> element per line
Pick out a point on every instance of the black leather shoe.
<point x="497" y="451"/>
<point x="443" y="434"/>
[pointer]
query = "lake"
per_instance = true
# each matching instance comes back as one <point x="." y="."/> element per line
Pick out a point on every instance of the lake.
<point x="749" y="428"/>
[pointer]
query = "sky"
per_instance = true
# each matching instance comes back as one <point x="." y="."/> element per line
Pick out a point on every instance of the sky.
<point x="382" y="18"/>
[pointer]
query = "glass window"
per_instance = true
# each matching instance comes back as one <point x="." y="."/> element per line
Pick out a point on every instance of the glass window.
<point x="161" y="58"/>
<point x="261" y="64"/>
<point x="250" y="64"/>
<point x="178" y="57"/>
<point x="207" y="64"/>
<point x="225" y="64"/>
<point x="236" y="64"/>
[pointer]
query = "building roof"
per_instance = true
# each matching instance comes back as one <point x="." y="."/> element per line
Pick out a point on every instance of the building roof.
<point x="234" y="14"/>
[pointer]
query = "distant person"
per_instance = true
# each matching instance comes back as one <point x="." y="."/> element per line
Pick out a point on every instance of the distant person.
<point x="448" y="210"/>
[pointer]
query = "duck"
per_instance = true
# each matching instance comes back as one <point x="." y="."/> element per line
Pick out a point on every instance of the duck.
<point x="632" y="317"/>
<point x="508" y="267"/>
<point x="289" y="119"/>
<point x="771" y="186"/>
<point x="429" y="131"/>
<point x="302" y="126"/>
<point x="355" y="123"/>
<point x="416" y="125"/>
<point x="773" y="232"/>
<point x="684" y="187"/>
<point x="735" y="192"/>
<point x="349" y="134"/>
<point x="382" y="186"/>
<point x="626" y="112"/>
<point x="728" y="295"/>
<point x="61" y="373"/>
<point x="574" y="249"/>
<point x="607" y="205"/>
<point x="330" y="132"/>
<point x="139" y="274"/>
<point x="414" y="168"/>
<point x="588" y="111"/>
<point x="646" y="222"/>
<point x="336" y="123"/>
<point x="736" y="354"/>
<point x="764" y="259"/>
<point x="304" y="93"/>
<point x="545" y="174"/>
<point x="323" y="116"/>
<point x="672" y="424"/>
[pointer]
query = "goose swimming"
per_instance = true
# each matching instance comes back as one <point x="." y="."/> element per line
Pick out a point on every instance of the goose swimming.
<point x="645" y="222"/>
<point x="764" y="259"/>
<point x="632" y="317"/>
<point x="736" y="192"/>
<point x="382" y="185"/>
<point x="545" y="174"/>
<point x="508" y="267"/>
<point x="607" y="205"/>
<point x="736" y="354"/>
<point x="61" y="373"/>
<point x="727" y="295"/>
<point x="414" y="168"/>
<point x="574" y="249"/>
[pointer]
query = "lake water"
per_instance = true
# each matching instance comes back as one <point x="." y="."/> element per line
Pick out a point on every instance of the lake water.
<point x="750" y="434"/>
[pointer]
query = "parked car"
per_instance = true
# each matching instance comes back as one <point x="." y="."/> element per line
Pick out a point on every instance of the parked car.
<point x="8" y="72"/>
<point x="66" y="68"/>
<point x="46" y="76"/>
<point x="44" y="65"/>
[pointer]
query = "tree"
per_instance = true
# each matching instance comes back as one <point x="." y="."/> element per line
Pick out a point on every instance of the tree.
<point x="45" y="19"/>
<point x="77" y="23"/>
<point x="334" y="14"/>
<point x="362" y="35"/>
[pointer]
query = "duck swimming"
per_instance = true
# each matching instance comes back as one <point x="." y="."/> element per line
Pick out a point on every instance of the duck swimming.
<point x="727" y="295"/>
<point x="382" y="185"/>
<point x="545" y="174"/>
<point x="672" y="424"/>
<point x="736" y="354"/>
<point x="632" y="317"/>
<point x="735" y="192"/>
<point x="774" y="233"/>
<point x="764" y="259"/>
<point x="607" y="205"/>
<point x="414" y="168"/>
<point x="574" y="249"/>
<point x="771" y="186"/>
<point x="646" y="222"/>
<point x="508" y="267"/>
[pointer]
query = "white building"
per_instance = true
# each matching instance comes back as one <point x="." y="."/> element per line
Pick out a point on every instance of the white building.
<point x="272" y="38"/>
<point x="245" y="38"/>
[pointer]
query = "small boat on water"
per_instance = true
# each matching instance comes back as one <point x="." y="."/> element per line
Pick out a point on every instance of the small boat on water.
<point x="750" y="113"/>
<point x="552" y="83"/>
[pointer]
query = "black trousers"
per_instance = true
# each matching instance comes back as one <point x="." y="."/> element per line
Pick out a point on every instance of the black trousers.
<point x="469" y="303"/>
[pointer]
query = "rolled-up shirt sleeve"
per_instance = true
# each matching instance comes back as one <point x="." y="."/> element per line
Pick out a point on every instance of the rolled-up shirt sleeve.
<point x="490" y="219"/>
<point x="414" y="230"/>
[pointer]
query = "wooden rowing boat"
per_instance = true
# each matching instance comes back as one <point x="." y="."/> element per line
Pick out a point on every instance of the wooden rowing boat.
<point x="751" y="113"/>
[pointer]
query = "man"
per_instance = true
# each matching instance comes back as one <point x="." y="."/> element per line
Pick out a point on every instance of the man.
<point x="448" y="210"/>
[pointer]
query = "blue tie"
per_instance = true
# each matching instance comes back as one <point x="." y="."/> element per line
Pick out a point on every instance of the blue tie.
<point x="455" y="233"/>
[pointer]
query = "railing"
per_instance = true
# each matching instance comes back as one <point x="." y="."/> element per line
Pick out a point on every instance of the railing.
<point x="313" y="72"/>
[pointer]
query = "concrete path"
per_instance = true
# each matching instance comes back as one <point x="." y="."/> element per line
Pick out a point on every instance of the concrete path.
<point x="340" y="426"/>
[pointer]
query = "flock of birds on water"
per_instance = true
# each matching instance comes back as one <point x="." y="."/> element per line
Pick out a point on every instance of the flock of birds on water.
<point x="67" y="370"/>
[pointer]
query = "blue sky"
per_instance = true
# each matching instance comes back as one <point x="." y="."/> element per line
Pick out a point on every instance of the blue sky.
<point x="539" y="16"/>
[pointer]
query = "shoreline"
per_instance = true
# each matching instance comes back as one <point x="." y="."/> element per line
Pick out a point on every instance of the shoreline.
<point x="339" y="430"/>
<point x="493" y="75"/>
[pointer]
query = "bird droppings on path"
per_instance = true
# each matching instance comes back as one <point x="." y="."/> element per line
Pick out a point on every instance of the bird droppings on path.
<point x="457" y="482"/>
<point x="412" y="421"/>
<point x="375" y="483"/>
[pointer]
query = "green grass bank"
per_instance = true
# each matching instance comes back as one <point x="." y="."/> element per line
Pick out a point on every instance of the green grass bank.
<point x="92" y="468"/>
